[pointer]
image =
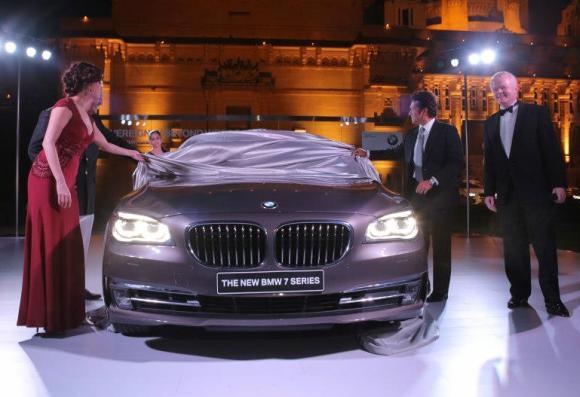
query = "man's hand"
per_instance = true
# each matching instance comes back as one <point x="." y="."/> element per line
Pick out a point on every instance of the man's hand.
<point x="559" y="195"/>
<point x="423" y="187"/>
<point x="490" y="203"/>
<point x="359" y="152"/>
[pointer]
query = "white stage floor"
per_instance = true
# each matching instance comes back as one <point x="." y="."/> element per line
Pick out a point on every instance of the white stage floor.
<point x="484" y="349"/>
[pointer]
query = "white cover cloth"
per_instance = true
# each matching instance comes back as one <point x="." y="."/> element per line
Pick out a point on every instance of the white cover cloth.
<point x="258" y="156"/>
<point x="400" y="336"/>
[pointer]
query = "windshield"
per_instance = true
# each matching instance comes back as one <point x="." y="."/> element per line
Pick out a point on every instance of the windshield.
<point x="258" y="156"/>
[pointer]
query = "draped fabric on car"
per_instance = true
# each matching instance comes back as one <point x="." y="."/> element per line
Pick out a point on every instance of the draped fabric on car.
<point x="257" y="156"/>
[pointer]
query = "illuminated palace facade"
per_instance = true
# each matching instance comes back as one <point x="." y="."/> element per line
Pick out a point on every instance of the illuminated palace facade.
<point x="357" y="58"/>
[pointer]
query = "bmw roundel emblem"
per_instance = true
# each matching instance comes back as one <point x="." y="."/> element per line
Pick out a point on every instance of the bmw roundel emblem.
<point x="269" y="205"/>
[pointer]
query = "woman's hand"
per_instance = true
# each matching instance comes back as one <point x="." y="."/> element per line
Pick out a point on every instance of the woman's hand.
<point x="135" y="155"/>
<point x="63" y="194"/>
<point x="359" y="152"/>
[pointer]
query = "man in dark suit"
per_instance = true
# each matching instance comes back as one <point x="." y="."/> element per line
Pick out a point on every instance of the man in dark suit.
<point x="524" y="176"/>
<point x="433" y="162"/>
<point x="86" y="176"/>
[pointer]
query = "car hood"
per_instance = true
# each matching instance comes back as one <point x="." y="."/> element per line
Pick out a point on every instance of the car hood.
<point x="160" y="200"/>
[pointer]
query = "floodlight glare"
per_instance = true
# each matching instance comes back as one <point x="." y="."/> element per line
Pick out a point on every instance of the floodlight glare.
<point x="10" y="47"/>
<point x="46" y="55"/>
<point x="488" y="56"/>
<point x="31" y="52"/>
<point x="455" y="62"/>
<point x="474" y="59"/>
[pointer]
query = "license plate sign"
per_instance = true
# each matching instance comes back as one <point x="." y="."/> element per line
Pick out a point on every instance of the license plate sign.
<point x="270" y="282"/>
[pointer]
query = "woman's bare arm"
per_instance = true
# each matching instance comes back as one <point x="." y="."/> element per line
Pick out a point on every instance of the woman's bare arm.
<point x="114" y="149"/>
<point x="59" y="117"/>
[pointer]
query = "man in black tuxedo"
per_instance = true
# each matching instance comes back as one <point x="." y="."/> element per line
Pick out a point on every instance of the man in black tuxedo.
<point x="86" y="176"/>
<point x="524" y="176"/>
<point x="433" y="161"/>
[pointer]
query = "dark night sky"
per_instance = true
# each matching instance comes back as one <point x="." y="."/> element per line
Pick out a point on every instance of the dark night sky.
<point x="545" y="15"/>
<point x="40" y="17"/>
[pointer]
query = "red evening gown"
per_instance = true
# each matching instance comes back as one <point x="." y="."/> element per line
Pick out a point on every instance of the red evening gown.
<point x="53" y="283"/>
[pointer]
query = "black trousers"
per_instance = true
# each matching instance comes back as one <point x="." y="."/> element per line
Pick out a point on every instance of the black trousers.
<point x="436" y="227"/>
<point x="522" y="224"/>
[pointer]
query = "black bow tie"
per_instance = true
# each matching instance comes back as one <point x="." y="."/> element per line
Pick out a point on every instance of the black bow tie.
<point x="510" y="109"/>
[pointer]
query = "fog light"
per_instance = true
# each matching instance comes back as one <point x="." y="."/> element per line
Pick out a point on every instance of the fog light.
<point x="122" y="299"/>
<point x="410" y="295"/>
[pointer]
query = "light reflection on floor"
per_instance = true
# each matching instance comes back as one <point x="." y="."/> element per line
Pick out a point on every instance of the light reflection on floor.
<point x="483" y="350"/>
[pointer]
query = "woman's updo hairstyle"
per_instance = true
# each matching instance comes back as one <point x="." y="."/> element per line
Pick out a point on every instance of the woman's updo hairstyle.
<point x="153" y="132"/>
<point x="78" y="76"/>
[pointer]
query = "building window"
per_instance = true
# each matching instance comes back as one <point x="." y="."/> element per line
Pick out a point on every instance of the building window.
<point x="484" y="100"/>
<point x="473" y="99"/>
<point x="545" y="97"/>
<point x="447" y="106"/>
<point x="406" y="17"/>
<point x="436" y="93"/>
<point x="238" y="111"/>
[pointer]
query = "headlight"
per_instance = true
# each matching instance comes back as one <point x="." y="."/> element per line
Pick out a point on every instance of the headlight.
<point x="132" y="228"/>
<point x="400" y="225"/>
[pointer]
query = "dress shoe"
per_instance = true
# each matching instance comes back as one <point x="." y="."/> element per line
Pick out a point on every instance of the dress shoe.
<point x="517" y="302"/>
<point x="436" y="297"/>
<point x="557" y="309"/>
<point x="52" y="334"/>
<point x="91" y="296"/>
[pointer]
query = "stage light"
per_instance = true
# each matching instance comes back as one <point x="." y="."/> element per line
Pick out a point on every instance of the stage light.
<point x="31" y="52"/>
<point x="10" y="47"/>
<point x="46" y="55"/>
<point x="474" y="59"/>
<point x="454" y="62"/>
<point x="488" y="56"/>
<point x="129" y="122"/>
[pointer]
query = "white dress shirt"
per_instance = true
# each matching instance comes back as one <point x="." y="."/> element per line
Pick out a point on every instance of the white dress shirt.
<point x="426" y="131"/>
<point x="507" y="124"/>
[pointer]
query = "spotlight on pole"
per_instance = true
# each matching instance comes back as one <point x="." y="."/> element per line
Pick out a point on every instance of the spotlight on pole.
<point x="10" y="47"/>
<point x="46" y="55"/>
<point x="474" y="59"/>
<point x="454" y="62"/>
<point x="488" y="56"/>
<point x="31" y="52"/>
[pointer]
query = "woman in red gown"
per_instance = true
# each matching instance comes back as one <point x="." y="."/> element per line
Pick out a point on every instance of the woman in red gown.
<point x="53" y="280"/>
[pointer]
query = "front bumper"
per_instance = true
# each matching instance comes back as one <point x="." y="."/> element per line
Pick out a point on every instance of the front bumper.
<point x="153" y="306"/>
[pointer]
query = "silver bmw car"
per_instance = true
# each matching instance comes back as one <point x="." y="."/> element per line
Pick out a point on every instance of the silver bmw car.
<point x="261" y="229"/>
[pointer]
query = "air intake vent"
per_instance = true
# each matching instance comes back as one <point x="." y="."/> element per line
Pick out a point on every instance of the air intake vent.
<point x="231" y="245"/>
<point x="311" y="244"/>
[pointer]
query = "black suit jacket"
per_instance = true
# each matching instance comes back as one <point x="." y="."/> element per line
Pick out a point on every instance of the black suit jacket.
<point x="442" y="159"/>
<point x="535" y="165"/>
<point x="86" y="176"/>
